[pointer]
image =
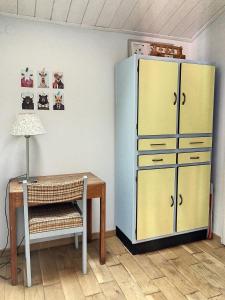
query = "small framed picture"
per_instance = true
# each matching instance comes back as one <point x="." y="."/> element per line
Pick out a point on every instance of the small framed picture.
<point x="27" y="100"/>
<point x="43" y="79"/>
<point x="58" y="80"/>
<point x="138" y="47"/>
<point x="43" y="101"/>
<point x="58" y="101"/>
<point x="27" y="78"/>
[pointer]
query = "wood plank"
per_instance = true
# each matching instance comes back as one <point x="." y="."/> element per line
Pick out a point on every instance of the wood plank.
<point x="93" y="12"/>
<point x="178" y="16"/>
<point x="192" y="248"/>
<point x="112" y="291"/>
<point x="151" y="15"/>
<point x="173" y="275"/>
<point x="36" y="292"/>
<point x="17" y="291"/>
<point x="196" y="296"/>
<point x="170" y="291"/>
<point x="156" y="296"/>
<point x="8" y="6"/>
<point x="122" y="13"/>
<point x="50" y="275"/>
<point x="214" y="243"/>
<point x="137" y="13"/>
<point x="70" y="285"/>
<point x="44" y="9"/>
<point x="115" y="246"/>
<point x="77" y="10"/>
<point x="2" y="281"/>
<point x="168" y="254"/>
<point x="88" y="282"/>
<point x="108" y="12"/>
<point x="211" y="263"/>
<point x="99" y="296"/>
<point x="60" y="10"/>
<point x="184" y="256"/>
<point x="148" y="267"/>
<point x="129" y="287"/>
<point x="137" y="273"/>
<point x="54" y="292"/>
<point x="26" y="7"/>
<point x="210" y="276"/>
<point x="198" y="282"/>
<point x="101" y="271"/>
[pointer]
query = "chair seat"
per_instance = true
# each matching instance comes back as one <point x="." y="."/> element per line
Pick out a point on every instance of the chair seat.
<point x="54" y="217"/>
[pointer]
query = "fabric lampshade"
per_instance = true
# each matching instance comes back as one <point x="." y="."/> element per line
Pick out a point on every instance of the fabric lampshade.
<point x="27" y="124"/>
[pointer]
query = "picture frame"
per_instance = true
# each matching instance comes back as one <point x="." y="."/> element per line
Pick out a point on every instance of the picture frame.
<point x="138" y="47"/>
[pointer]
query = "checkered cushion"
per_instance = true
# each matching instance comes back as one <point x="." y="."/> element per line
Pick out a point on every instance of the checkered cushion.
<point x="53" y="217"/>
<point x="56" y="192"/>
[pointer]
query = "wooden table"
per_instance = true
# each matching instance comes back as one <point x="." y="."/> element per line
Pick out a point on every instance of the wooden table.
<point x="96" y="189"/>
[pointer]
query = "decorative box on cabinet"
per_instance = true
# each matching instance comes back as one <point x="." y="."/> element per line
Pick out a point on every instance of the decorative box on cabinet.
<point x="164" y="119"/>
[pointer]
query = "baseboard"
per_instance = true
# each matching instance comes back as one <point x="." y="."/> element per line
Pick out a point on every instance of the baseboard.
<point x="59" y="242"/>
<point x="161" y="243"/>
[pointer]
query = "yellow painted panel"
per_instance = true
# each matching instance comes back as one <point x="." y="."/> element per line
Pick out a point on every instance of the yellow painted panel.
<point x="194" y="188"/>
<point x="156" y="144"/>
<point x="195" y="142"/>
<point x="156" y="159"/>
<point x="194" y="157"/>
<point x="197" y="97"/>
<point x="154" y="211"/>
<point x="158" y="81"/>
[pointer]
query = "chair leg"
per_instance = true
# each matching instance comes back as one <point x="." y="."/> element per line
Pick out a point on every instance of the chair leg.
<point x="28" y="265"/>
<point x="76" y="241"/>
<point x="84" y="252"/>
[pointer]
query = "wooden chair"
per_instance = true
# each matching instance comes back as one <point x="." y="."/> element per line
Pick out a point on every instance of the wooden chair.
<point x="57" y="214"/>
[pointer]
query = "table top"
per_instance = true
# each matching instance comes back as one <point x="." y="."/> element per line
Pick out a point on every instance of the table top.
<point x="16" y="187"/>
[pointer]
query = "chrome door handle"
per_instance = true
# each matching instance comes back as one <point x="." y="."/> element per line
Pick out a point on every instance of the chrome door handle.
<point x="184" y="100"/>
<point x="181" y="199"/>
<point x="175" y="98"/>
<point x="172" y="203"/>
<point x="160" y="159"/>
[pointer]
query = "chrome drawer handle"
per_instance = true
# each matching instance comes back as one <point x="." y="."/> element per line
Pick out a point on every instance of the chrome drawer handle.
<point x="184" y="100"/>
<point x="194" y="157"/>
<point x="194" y="143"/>
<point x="160" y="159"/>
<point x="161" y="144"/>
<point x="172" y="203"/>
<point x="175" y="98"/>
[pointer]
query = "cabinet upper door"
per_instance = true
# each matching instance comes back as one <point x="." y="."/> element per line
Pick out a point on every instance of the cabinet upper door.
<point x="157" y="99"/>
<point x="193" y="197"/>
<point x="196" y="98"/>
<point x="155" y="202"/>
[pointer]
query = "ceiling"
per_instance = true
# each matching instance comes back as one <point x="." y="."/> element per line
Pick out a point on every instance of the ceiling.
<point x="178" y="19"/>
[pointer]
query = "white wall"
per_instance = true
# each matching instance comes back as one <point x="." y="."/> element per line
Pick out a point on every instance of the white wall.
<point x="82" y="137"/>
<point x="210" y="46"/>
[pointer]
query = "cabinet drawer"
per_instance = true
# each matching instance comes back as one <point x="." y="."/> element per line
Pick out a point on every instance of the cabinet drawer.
<point x="194" y="157"/>
<point x="156" y="144"/>
<point x="156" y="159"/>
<point x="196" y="142"/>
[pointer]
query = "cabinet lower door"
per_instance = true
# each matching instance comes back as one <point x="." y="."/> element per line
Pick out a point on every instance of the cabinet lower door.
<point x="193" y="197"/>
<point x="155" y="204"/>
<point x="157" y="99"/>
<point x="197" y="97"/>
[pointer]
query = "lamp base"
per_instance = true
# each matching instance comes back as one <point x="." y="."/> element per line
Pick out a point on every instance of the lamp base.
<point x="29" y="179"/>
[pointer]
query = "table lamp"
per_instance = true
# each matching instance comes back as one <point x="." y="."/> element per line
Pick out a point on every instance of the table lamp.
<point x="27" y="124"/>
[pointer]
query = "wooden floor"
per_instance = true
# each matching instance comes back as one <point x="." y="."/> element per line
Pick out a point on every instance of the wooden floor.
<point x="194" y="271"/>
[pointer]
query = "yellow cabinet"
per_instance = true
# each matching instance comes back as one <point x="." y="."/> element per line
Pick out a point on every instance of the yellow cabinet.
<point x="193" y="197"/>
<point x="157" y="99"/>
<point x="156" y="159"/>
<point x="156" y="144"/>
<point x="196" y="98"/>
<point x="155" y="203"/>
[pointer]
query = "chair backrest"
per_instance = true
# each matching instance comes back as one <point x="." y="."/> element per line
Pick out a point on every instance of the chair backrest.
<point x="56" y="192"/>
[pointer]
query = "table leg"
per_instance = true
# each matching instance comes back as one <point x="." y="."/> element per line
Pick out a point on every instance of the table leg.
<point x="102" y="250"/>
<point x="13" y="248"/>
<point x="89" y="220"/>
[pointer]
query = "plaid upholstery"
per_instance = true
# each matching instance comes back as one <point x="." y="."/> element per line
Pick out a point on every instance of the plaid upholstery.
<point x="56" y="192"/>
<point x="53" y="217"/>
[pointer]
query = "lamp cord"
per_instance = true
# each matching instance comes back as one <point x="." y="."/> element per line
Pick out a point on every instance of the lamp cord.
<point x="2" y="265"/>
